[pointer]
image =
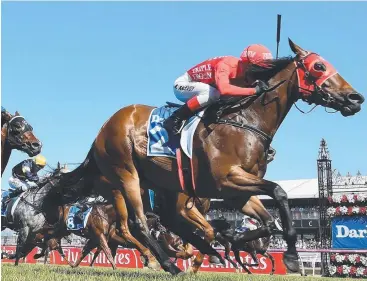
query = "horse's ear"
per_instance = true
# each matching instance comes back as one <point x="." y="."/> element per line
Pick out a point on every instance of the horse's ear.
<point x="58" y="165"/>
<point x="17" y="113"/>
<point x="296" y="49"/>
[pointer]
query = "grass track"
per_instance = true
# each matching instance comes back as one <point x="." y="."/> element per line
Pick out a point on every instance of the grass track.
<point x="35" y="272"/>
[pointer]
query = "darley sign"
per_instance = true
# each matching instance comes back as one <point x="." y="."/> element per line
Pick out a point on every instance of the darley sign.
<point x="349" y="233"/>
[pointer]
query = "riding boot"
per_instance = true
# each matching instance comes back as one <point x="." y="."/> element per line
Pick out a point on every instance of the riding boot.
<point x="175" y="122"/>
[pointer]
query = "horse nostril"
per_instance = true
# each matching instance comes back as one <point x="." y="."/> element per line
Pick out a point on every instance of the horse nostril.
<point x="356" y="98"/>
<point x="35" y="145"/>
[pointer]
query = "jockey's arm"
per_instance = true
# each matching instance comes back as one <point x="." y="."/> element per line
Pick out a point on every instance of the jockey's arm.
<point x="222" y="75"/>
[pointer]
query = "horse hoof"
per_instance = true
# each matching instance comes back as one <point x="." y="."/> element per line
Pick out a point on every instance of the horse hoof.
<point x="174" y="270"/>
<point x="182" y="273"/>
<point x="290" y="260"/>
<point x="214" y="260"/>
<point x="238" y="270"/>
<point x="271" y="273"/>
<point x="154" y="265"/>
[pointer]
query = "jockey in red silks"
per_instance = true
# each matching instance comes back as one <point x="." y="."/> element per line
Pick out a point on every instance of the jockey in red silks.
<point x="206" y="82"/>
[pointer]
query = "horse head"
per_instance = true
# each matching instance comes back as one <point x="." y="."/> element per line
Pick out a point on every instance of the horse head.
<point x="320" y="83"/>
<point x="20" y="136"/>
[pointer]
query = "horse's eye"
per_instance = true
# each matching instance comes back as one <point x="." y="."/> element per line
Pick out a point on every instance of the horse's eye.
<point x="319" y="66"/>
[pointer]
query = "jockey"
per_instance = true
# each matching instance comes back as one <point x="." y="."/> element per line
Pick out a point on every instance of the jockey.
<point x="206" y="82"/>
<point x="24" y="175"/>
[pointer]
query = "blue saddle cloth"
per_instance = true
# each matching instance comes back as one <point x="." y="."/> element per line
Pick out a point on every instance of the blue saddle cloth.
<point x="159" y="143"/>
<point x="73" y="221"/>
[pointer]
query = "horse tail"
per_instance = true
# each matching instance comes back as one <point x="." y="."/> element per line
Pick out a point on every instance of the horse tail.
<point x="78" y="183"/>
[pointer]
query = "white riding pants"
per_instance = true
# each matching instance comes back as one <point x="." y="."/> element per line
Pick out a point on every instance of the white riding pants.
<point x="184" y="89"/>
<point x="16" y="184"/>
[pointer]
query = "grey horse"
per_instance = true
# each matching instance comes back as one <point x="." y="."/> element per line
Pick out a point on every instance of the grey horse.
<point x="28" y="219"/>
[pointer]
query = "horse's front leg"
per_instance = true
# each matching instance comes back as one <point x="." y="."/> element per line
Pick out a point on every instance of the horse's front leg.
<point x="24" y="247"/>
<point x="192" y="215"/>
<point x="227" y="249"/>
<point x="239" y="183"/>
<point x="236" y="253"/>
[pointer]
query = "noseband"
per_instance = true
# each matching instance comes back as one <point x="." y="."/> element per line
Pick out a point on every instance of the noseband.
<point x="312" y="71"/>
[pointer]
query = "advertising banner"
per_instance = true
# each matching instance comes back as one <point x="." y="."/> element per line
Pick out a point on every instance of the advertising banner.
<point x="130" y="258"/>
<point x="349" y="232"/>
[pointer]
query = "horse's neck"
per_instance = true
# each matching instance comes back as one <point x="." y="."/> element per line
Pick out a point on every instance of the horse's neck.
<point x="277" y="103"/>
<point x="5" y="149"/>
<point x="41" y="193"/>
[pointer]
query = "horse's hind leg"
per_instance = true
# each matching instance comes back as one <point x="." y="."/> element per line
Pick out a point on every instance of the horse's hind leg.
<point x="227" y="250"/>
<point x="104" y="246"/>
<point x="114" y="158"/>
<point x="57" y="246"/>
<point x="96" y="254"/>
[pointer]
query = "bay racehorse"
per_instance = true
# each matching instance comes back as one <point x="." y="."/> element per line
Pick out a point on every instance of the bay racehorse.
<point x="100" y="233"/>
<point x="17" y="133"/>
<point x="229" y="147"/>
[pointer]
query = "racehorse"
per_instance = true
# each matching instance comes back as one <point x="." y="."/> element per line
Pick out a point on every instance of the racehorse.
<point x="229" y="147"/>
<point x="226" y="237"/>
<point x="169" y="242"/>
<point x="28" y="218"/>
<point x="101" y="233"/>
<point x="17" y="133"/>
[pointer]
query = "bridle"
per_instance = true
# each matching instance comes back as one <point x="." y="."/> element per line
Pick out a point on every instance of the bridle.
<point x="14" y="136"/>
<point x="312" y="71"/>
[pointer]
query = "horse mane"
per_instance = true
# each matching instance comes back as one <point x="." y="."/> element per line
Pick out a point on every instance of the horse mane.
<point x="269" y="69"/>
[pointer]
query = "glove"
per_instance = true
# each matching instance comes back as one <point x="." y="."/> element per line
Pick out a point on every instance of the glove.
<point x="35" y="179"/>
<point x="261" y="87"/>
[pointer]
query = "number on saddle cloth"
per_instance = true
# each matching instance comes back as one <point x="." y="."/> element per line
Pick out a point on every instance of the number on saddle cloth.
<point x="76" y="217"/>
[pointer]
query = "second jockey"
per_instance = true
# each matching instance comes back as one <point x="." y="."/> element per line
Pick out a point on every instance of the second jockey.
<point x="206" y="82"/>
<point x="24" y="175"/>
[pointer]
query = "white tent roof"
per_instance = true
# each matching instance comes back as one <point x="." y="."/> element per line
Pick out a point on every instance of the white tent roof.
<point x="304" y="188"/>
<point x="308" y="188"/>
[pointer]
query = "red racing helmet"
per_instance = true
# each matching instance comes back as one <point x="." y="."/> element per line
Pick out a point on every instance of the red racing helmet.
<point x="256" y="54"/>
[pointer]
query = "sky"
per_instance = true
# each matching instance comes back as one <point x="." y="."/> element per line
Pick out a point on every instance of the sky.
<point x="68" y="66"/>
